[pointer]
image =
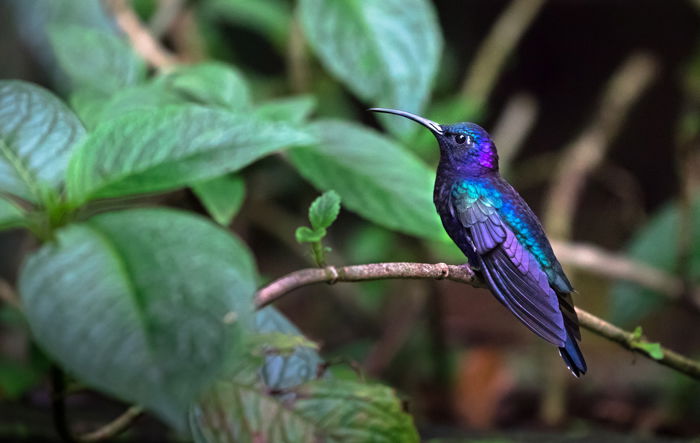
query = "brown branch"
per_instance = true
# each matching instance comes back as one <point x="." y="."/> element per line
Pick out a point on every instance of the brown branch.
<point x="8" y="295"/>
<point x="374" y="271"/>
<point x="497" y="46"/>
<point x="462" y="274"/>
<point x="142" y="41"/>
<point x="589" y="149"/>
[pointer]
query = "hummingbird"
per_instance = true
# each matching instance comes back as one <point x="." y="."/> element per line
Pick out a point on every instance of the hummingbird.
<point x="501" y="236"/>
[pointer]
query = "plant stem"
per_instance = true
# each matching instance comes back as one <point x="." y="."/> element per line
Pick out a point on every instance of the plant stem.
<point x="462" y="274"/>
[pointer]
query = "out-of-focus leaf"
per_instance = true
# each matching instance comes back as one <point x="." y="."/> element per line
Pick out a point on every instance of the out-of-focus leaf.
<point x="11" y="216"/>
<point x="139" y="304"/>
<point x="324" y="210"/>
<point x="37" y="135"/>
<point x="656" y="244"/>
<point x="160" y="149"/>
<point x="375" y="177"/>
<point x="322" y="410"/>
<point x="209" y="84"/>
<point x="304" y="234"/>
<point x="386" y="52"/>
<point x="285" y="371"/>
<point x="271" y="17"/>
<point x="221" y="196"/>
<point x="281" y="343"/>
<point x="294" y="110"/>
<point x="94" y="59"/>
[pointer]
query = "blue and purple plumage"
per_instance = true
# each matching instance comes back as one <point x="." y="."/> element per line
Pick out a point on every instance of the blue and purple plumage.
<point x="502" y="237"/>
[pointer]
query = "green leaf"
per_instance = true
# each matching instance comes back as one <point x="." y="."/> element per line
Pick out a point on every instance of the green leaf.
<point x="292" y="109"/>
<point x="654" y="350"/>
<point x="324" y="210"/>
<point x="374" y="176"/>
<point x="148" y="305"/>
<point x="159" y="149"/>
<point x="221" y="196"/>
<point x="322" y="410"/>
<point x="281" y="343"/>
<point x="285" y="371"/>
<point x="11" y="215"/>
<point x="386" y="52"/>
<point x="655" y="244"/>
<point x="211" y="83"/>
<point x="37" y="134"/>
<point x="95" y="60"/>
<point x="304" y="234"/>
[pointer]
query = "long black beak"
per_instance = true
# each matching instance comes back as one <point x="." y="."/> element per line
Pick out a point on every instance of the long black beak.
<point x="434" y="127"/>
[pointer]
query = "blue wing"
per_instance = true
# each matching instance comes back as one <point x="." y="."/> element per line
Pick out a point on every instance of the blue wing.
<point x="511" y="269"/>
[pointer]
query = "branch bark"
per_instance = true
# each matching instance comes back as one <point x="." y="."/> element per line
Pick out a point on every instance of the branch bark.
<point x="462" y="274"/>
<point x="141" y="39"/>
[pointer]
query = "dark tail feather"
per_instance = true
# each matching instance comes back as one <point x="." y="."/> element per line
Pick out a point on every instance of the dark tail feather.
<point x="573" y="357"/>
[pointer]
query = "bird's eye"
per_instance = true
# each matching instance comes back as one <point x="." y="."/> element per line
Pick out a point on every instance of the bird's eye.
<point x="460" y="138"/>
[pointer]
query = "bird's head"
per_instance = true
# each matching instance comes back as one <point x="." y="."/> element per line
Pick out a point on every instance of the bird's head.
<point x="465" y="147"/>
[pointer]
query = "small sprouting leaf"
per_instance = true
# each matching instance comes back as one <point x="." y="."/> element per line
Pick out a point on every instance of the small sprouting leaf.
<point x="292" y="109"/>
<point x="323" y="410"/>
<point x="653" y="349"/>
<point x="637" y="333"/>
<point x="304" y="234"/>
<point x="375" y="177"/>
<point x="165" y="148"/>
<point x="148" y="305"/>
<point x="221" y="196"/>
<point x="386" y="52"/>
<point x="94" y="59"/>
<point x="37" y="134"/>
<point x="324" y="210"/>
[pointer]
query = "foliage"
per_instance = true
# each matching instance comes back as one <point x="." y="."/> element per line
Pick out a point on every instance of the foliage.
<point x="160" y="301"/>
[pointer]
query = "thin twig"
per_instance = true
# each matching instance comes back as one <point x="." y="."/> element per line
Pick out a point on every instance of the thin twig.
<point x="164" y="16"/>
<point x="141" y="40"/>
<point x="58" y="404"/>
<point x="513" y="126"/>
<point x="113" y="428"/>
<point x="8" y="295"/>
<point x="589" y="149"/>
<point x="597" y="260"/>
<point x="462" y="274"/>
<point x="498" y="45"/>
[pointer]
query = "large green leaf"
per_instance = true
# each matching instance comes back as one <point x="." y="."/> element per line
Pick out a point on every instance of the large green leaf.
<point x="655" y="244"/>
<point x="37" y="134"/>
<point x="222" y="197"/>
<point x="321" y="411"/>
<point x="208" y="84"/>
<point x="214" y="84"/>
<point x="95" y="59"/>
<point x="386" y="52"/>
<point x="160" y="149"/>
<point x="375" y="177"/>
<point x="148" y="305"/>
<point x="290" y="109"/>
